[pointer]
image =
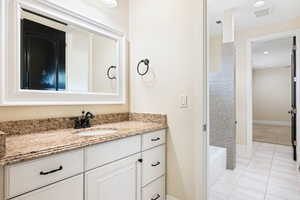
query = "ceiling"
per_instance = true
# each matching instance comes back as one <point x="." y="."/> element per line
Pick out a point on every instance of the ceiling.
<point x="245" y="18"/>
<point x="279" y="53"/>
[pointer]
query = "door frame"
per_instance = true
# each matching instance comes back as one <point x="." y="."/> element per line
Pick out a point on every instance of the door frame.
<point x="203" y="192"/>
<point x="249" y="104"/>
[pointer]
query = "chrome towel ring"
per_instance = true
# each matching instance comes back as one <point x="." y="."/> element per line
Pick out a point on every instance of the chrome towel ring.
<point x="108" y="73"/>
<point x="146" y="62"/>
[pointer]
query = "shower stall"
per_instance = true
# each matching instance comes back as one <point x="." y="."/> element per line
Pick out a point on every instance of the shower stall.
<point x="222" y="107"/>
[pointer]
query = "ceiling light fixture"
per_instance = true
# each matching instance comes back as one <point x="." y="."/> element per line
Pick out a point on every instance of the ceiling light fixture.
<point x="266" y="52"/>
<point x="110" y="3"/>
<point x="259" y="3"/>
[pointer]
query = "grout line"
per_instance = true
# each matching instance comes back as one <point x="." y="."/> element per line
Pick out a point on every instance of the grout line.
<point x="269" y="176"/>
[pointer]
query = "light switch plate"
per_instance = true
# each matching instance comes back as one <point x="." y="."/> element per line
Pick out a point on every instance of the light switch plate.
<point x="183" y="101"/>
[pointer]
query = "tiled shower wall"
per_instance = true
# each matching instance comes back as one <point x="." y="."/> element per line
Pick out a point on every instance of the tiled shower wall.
<point x="222" y="105"/>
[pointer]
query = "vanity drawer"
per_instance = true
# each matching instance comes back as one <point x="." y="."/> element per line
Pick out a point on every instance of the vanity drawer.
<point x="153" y="164"/>
<point x="155" y="190"/>
<point x="26" y="176"/>
<point x="69" y="189"/>
<point x="101" y="154"/>
<point x="153" y="139"/>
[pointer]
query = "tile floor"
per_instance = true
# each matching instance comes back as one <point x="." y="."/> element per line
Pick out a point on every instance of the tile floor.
<point x="267" y="172"/>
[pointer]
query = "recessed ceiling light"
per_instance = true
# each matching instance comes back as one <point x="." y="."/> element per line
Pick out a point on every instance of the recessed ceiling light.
<point x="110" y="3"/>
<point x="259" y="4"/>
<point x="266" y="52"/>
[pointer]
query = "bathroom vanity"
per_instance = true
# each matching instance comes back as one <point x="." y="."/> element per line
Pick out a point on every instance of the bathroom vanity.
<point x="57" y="56"/>
<point x="127" y="164"/>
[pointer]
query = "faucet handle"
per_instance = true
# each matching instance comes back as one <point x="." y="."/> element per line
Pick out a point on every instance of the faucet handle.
<point x="77" y="122"/>
<point x="89" y="115"/>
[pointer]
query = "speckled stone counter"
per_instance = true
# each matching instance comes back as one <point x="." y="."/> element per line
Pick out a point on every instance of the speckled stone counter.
<point x="2" y="144"/>
<point x="23" y="147"/>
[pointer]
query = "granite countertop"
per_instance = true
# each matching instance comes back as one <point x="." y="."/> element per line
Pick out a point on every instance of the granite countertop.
<point x="31" y="146"/>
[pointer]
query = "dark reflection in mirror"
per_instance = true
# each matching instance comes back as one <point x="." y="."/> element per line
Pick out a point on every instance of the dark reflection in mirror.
<point x="43" y="57"/>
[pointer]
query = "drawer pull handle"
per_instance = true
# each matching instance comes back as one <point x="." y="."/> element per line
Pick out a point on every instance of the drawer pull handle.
<point x="52" y="171"/>
<point x="155" y="139"/>
<point x="156" y="164"/>
<point x="157" y="197"/>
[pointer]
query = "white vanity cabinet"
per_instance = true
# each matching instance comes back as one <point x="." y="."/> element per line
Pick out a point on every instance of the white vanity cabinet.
<point x="132" y="168"/>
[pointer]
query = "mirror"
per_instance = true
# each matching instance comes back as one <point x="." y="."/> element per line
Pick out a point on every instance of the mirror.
<point x="60" y="56"/>
<point x="56" y="56"/>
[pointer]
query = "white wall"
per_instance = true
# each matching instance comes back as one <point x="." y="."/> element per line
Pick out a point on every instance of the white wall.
<point x="272" y="94"/>
<point x="169" y="33"/>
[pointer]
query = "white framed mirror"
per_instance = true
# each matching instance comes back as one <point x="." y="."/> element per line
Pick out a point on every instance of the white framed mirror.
<point x="55" y="56"/>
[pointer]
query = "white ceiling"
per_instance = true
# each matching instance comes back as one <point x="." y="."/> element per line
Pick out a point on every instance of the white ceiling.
<point x="279" y="53"/>
<point x="281" y="10"/>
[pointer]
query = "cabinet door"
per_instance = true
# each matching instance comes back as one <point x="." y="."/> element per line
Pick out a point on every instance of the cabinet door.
<point x="71" y="188"/>
<point x="155" y="190"/>
<point x="118" y="180"/>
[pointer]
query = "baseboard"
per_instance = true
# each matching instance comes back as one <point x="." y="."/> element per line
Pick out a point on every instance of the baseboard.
<point x="169" y="197"/>
<point x="275" y="123"/>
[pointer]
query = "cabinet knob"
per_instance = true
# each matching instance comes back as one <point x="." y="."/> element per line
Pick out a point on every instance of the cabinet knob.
<point x="140" y="160"/>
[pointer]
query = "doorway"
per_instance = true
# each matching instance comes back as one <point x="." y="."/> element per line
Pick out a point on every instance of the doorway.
<point x="289" y="125"/>
<point x="273" y="91"/>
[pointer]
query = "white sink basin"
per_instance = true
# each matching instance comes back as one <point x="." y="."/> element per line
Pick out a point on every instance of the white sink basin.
<point x="96" y="132"/>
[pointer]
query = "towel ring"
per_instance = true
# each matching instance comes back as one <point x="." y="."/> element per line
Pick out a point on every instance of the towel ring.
<point x="108" y="73"/>
<point x="146" y="62"/>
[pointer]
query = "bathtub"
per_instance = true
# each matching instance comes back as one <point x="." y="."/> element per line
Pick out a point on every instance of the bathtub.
<point x="216" y="163"/>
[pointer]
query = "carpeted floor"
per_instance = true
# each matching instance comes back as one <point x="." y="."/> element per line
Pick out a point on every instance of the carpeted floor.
<point x="272" y="134"/>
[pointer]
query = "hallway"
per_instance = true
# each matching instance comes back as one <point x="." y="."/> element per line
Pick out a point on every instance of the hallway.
<point x="266" y="173"/>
